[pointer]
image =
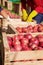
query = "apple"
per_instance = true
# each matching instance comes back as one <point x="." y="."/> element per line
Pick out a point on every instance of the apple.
<point x="10" y="42"/>
<point x="40" y="28"/>
<point x="35" y="28"/>
<point x="16" y="42"/>
<point x="12" y="49"/>
<point x="28" y="36"/>
<point x="30" y="28"/>
<point x="41" y="44"/>
<point x="34" y="47"/>
<point x="20" y="36"/>
<point x="19" y="29"/>
<point x="18" y="47"/>
<point x="40" y="38"/>
<point x="34" y="43"/>
<point x="24" y="29"/>
<point x="15" y="37"/>
<point x="26" y="48"/>
<point x="40" y="48"/>
<point x="24" y="43"/>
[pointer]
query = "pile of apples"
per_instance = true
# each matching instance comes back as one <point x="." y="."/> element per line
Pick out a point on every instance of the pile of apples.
<point x="24" y="42"/>
<point x="12" y="15"/>
<point x="30" y="28"/>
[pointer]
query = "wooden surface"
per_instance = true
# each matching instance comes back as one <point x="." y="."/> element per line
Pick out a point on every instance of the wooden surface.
<point x="21" y="55"/>
<point x="26" y="63"/>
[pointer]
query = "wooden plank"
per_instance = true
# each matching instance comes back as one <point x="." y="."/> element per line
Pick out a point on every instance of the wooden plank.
<point x="5" y="42"/>
<point x="25" y="55"/>
<point x="7" y="63"/>
<point x="33" y="34"/>
<point x="28" y="63"/>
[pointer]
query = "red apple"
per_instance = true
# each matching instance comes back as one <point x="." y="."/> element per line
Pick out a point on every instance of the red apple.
<point x="9" y="38"/>
<point x="26" y="48"/>
<point x="40" y="38"/>
<point x="41" y="44"/>
<point x="15" y="37"/>
<point x="24" y="29"/>
<point x="35" y="28"/>
<point x="10" y="42"/>
<point x="18" y="47"/>
<point x="40" y="28"/>
<point x="34" y="43"/>
<point x="30" y="28"/>
<point x="20" y="36"/>
<point x="28" y="36"/>
<point x="40" y="48"/>
<point x="24" y="43"/>
<point x="12" y="49"/>
<point x="16" y="42"/>
<point x="19" y="29"/>
<point x="30" y="44"/>
<point x="34" y="46"/>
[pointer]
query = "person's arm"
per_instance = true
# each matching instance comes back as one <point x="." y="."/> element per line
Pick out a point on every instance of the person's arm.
<point x="38" y="9"/>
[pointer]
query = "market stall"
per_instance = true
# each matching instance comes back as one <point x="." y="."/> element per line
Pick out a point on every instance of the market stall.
<point x="21" y="41"/>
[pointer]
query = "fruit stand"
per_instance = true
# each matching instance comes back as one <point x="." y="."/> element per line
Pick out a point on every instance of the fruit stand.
<point x="21" y="43"/>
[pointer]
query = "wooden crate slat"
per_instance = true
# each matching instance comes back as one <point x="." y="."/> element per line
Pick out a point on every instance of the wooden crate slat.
<point x="28" y="63"/>
<point x="6" y="46"/>
<point x="26" y="55"/>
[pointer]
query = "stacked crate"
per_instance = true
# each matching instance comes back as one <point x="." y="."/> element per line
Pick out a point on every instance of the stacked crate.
<point x="21" y="57"/>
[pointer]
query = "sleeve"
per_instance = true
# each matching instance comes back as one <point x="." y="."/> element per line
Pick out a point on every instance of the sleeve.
<point x="23" y="2"/>
<point x="1" y="9"/>
<point x="39" y="9"/>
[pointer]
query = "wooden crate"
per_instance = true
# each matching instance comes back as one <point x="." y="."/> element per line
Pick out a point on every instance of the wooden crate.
<point x="20" y="55"/>
<point x="16" y="22"/>
<point x="20" y="24"/>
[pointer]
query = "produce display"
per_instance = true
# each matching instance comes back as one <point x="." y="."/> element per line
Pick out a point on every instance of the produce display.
<point x="12" y="15"/>
<point x="24" y="42"/>
<point x="30" y="28"/>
